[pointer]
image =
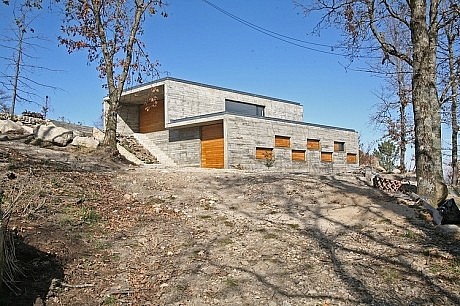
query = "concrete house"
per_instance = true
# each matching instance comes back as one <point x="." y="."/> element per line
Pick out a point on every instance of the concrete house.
<point x="192" y="124"/>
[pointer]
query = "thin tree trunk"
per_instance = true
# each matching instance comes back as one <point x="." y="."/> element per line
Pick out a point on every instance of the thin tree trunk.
<point x="402" y="94"/>
<point x="17" y="64"/>
<point x="453" y="110"/>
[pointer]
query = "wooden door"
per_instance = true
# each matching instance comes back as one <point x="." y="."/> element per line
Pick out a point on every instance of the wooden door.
<point x="212" y="146"/>
<point x="152" y="119"/>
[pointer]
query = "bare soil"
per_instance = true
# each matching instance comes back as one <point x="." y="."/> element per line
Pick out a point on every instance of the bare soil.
<point x="90" y="231"/>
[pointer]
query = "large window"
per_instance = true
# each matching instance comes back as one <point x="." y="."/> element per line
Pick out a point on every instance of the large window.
<point x="244" y="108"/>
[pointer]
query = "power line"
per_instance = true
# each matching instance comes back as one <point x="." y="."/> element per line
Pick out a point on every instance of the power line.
<point x="281" y="37"/>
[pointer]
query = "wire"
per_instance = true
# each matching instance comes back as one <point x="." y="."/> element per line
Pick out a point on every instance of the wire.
<point x="281" y="37"/>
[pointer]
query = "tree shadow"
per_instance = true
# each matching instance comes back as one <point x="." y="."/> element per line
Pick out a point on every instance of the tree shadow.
<point x="389" y="256"/>
<point x="37" y="270"/>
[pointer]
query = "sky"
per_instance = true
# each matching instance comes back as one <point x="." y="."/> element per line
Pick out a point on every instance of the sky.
<point x="200" y="43"/>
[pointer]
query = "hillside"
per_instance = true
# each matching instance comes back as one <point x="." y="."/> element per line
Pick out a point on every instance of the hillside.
<point x="90" y="231"/>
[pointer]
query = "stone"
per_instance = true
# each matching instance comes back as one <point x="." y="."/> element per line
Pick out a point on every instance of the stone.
<point x="87" y="142"/>
<point x="56" y="135"/>
<point x="11" y="127"/>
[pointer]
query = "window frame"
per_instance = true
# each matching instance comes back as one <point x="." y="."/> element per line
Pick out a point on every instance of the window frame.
<point x="258" y="156"/>
<point x="282" y="141"/>
<point x="329" y="158"/>
<point x="339" y="146"/>
<point x="257" y="111"/>
<point x="295" y="152"/>
<point x="316" y="146"/>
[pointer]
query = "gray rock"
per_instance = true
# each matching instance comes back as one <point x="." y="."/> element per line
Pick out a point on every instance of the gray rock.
<point x="56" y="135"/>
<point x="10" y="127"/>
<point x="87" y="142"/>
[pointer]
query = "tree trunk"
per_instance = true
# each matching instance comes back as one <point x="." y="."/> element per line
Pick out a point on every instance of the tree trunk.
<point x="428" y="160"/>
<point x="2" y="240"/>
<point x="453" y="108"/>
<point x="17" y="69"/>
<point x="111" y="116"/>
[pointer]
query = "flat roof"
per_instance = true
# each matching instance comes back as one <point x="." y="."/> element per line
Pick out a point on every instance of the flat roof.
<point x="209" y="86"/>
<point x="200" y="119"/>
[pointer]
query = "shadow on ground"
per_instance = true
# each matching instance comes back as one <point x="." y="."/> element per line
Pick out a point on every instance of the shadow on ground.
<point x="37" y="270"/>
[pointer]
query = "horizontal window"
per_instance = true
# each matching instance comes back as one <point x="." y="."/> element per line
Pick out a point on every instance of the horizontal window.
<point x="298" y="155"/>
<point x="282" y="141"/>
<point x="244" y="108"/>
<point x="326" y="157"/>
<point x="264" y="153"/>
<point x="351" y="158"/>
<point x="339" y="146"/>
<point x="313" y="144"/>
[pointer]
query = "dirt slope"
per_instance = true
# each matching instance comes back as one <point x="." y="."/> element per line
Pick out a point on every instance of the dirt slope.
<point x="116" y="235"/>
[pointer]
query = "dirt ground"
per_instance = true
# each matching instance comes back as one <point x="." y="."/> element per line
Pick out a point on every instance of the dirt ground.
<point x="88" y="231"/>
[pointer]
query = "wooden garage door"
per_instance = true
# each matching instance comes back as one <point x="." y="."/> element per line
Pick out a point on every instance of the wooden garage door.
<point x="152" y="119"/>
<point x="212" y="146"/>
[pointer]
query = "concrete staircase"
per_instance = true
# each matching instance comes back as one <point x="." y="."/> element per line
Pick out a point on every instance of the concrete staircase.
<point x="150" y="145"/>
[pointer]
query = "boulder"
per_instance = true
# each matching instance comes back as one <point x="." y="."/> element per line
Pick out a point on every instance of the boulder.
<point x="56" y="135"/>
<point x="87" y="142"/>
<point x="10" y="127"/>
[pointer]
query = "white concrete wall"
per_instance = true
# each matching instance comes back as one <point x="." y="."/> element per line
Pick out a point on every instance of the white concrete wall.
<point x="188" y="100"/>
<point x="244" y="134"/>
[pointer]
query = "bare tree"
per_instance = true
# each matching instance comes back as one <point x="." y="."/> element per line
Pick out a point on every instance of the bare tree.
<point x="449" y="74"/>
<point x="110" y="31"/>
<point x="17" y="76"/>
<point x="366" y="24"/>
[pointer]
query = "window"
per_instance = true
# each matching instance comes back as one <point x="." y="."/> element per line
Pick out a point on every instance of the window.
<point x="244" y="108"/>
<point x="313" y="144"/>
<point x="298" y="155"/>
<point x="339" y="146"/>
<point x="326" y="157"/>
<point x="351" y="158"/>
<point x="264" y="153"/>
<point x="282" y="141"/>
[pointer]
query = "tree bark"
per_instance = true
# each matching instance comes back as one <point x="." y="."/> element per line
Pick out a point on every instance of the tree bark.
<point x="426" y="105"/>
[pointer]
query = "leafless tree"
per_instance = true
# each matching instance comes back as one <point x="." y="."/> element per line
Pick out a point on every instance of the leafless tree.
<point x="17" y="77"/>
<point x="111" y="32"/>
<point x="365" y="23"/>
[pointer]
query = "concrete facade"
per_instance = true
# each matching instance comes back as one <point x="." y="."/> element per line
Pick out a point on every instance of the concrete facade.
<point x="190" y="105"/>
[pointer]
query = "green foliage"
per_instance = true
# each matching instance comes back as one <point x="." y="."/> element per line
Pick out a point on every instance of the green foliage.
<point x="387" y="153"/>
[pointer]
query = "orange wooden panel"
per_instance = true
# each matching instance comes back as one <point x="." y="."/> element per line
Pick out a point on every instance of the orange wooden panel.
<point x="212" y="146"/>
<point x="282" y="141"/>
<point x="264" y="153"/>
<point x="351" y="158"/>
<point x="298" y="155"/>
<point x="152" y="119"/>
<point x="326" y="157"/>
<point x="313" y="144"/>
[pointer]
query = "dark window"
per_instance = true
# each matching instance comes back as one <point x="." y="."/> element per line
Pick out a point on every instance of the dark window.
<point x="339" y="146"/>
<point x="244" y="108"/>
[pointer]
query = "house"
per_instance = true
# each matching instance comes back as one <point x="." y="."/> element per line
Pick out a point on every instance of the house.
<point x="192" y="124"/>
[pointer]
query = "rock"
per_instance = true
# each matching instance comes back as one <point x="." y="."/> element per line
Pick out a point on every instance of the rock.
<point x="10" y="127"/>
<point x="87" y="142"/>
<point x="451" y="231"/>
<point x="56" y="135"/>
<point x="98" y="134"/>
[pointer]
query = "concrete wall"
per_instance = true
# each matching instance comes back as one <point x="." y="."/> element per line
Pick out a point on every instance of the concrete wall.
<point x="128" y="119"/>
<point x="188" y="100"/>
<point x="183" y="146"/>
<point x="244" y="134"/>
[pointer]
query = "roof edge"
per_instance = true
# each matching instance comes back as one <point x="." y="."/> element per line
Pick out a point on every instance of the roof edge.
<point x="161" y="80"/>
